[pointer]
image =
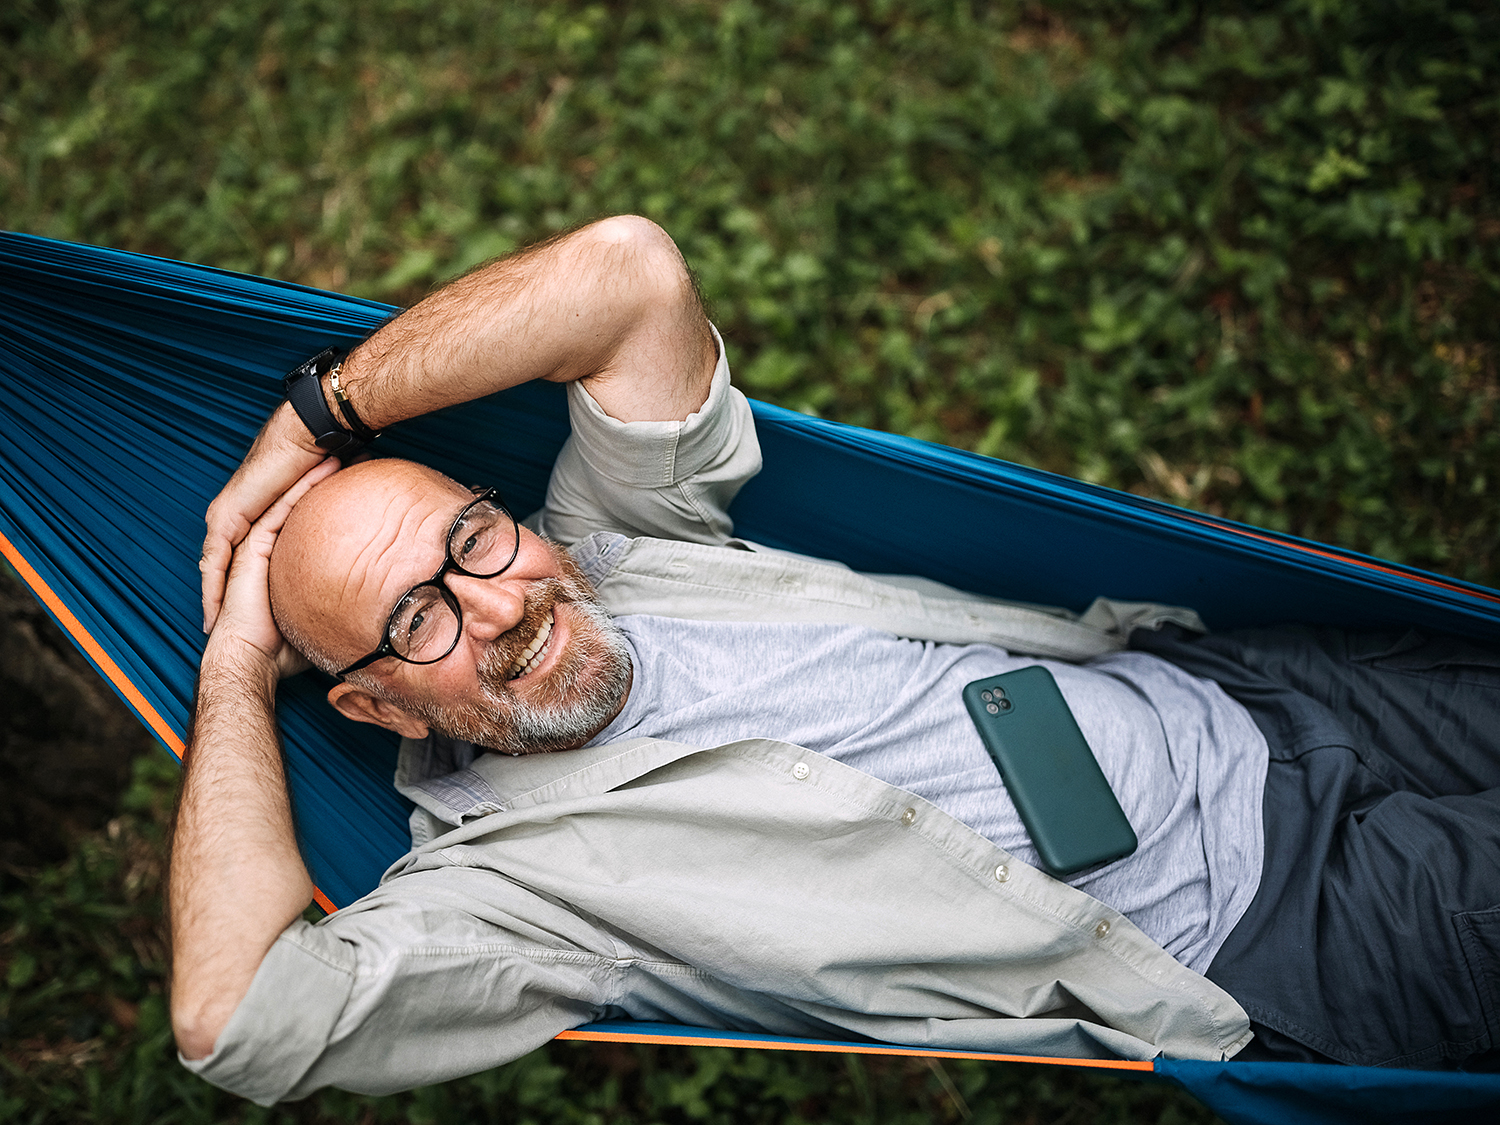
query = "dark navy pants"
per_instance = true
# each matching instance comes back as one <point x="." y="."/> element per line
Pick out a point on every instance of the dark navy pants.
<point x="1374" y="938"/>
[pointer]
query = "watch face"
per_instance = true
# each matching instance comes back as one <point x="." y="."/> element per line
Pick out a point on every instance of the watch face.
<point x="314" y="366"/>
<point x="334" y="440"/>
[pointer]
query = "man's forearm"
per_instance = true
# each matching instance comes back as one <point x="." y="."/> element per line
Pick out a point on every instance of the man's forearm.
<point x="237" y="879"/>
<point x="612" y="304"/>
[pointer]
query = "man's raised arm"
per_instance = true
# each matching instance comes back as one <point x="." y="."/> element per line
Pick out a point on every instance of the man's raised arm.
<point x="611" y="304"/>
<point x="237" y="879"/>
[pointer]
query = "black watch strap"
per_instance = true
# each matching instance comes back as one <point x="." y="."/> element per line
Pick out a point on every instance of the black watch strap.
<point x="304" y="390"/>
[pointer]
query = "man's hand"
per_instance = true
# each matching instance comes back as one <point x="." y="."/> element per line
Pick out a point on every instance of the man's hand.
<point x="244" y="628"/>
<point x="283" y="452"/>
<point x="236" y="878"/>
<point x="611" y="305"/>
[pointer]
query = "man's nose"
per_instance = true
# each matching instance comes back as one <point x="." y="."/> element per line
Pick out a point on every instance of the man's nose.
<point x="492" y="606"/>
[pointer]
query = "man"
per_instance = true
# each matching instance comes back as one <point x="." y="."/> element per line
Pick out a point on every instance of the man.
<point x="748" y="802"/>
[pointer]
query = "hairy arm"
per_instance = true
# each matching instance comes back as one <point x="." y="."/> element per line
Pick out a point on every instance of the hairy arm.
<point x="611" y="305"/>
<point x="237" y="879"/>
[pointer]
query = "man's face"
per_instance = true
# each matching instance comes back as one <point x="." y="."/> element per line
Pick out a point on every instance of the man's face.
<point x="551" y="682"/>
<point x="538" y="665"/>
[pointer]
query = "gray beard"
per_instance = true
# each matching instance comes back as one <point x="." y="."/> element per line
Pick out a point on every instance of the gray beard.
<point x="580" y="695"/>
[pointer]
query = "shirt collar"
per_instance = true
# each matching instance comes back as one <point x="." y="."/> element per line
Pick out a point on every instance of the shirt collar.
<point x="457" y="781"/>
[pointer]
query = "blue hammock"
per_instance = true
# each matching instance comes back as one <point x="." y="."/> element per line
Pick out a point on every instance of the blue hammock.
<point x="135" y="384"/>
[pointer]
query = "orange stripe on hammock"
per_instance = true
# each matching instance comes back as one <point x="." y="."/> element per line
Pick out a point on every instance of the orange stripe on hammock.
<point x="96" y="653"/>
<point x="729" y="1040"/>
<point x="1338" y="556"/>
<point x="112" y="671"/>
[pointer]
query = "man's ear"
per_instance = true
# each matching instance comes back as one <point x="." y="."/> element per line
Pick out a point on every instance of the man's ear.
<point x="359" y="705"/>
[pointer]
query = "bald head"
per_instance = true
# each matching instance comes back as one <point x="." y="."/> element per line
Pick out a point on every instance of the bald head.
<point x="331" y="561"/>
<point x="535" y="664"/>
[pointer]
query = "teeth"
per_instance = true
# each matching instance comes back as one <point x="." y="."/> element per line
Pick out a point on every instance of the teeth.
<point x="531" y="657"/>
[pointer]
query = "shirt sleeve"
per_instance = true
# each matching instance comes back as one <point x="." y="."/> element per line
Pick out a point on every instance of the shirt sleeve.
<point x="434" y="975"/>
<point x="670" y="480"/>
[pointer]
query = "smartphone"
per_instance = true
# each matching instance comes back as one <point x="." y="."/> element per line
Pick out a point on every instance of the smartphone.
<point x="1051" y="774"/>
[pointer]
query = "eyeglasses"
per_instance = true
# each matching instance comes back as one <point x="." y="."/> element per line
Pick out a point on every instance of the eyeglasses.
<point x="427" y="622"/>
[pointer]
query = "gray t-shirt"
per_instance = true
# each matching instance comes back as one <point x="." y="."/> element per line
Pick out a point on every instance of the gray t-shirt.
<point x="1170" y="744"/>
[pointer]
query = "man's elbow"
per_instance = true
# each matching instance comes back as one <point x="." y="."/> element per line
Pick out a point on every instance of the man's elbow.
<point x="636" y="233"/>
<point x="195" y="1030"/>
<point x="199" y="1017"/>
<point x="655" y="267"/>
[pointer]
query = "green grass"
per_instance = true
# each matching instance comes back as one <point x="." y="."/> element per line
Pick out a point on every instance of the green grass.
<point x="1241" y="257"/>
<point x="1246" y="261"/>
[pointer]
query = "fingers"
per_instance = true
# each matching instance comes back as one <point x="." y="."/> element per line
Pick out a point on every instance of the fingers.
<point x="244" y="623"/>
<point x="245" y="499"/>
<point x="261" y="535"/>
<point x="275" y="516"/>
<point x="290" y="662"/>
<point x="213" y="565"/>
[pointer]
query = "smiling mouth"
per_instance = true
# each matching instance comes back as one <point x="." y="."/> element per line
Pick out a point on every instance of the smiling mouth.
<point x="531" y="657"/>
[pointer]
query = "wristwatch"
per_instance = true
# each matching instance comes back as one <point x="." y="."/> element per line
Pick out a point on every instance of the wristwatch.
<point x="304" y="390"/>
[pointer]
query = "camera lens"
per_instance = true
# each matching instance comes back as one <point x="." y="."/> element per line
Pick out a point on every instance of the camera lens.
<point x="1004" y="705"/>
<point x="992" y="708"/>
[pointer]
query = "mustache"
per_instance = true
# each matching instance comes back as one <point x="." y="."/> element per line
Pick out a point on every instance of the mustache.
<point x="541" y="600"/>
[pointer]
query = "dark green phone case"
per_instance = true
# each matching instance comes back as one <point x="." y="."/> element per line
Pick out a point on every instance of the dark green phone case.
<point x="1051" y="774"/>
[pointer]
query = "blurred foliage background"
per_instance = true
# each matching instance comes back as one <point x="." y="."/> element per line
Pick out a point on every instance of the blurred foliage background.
<point x="1243" y="257"/>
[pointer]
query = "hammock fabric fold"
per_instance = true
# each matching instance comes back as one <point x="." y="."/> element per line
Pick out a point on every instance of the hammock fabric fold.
<point x="135" y="384"/>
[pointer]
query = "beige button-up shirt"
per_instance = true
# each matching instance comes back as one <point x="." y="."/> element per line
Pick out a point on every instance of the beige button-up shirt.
<point x="755" y="886"/>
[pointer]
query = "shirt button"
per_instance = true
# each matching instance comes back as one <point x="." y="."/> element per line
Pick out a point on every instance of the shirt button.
<point x="1002" y="873"/>
<point x="1101" y="930"/>
<point x="908" y="816"/>
<point x="800" y="771"/>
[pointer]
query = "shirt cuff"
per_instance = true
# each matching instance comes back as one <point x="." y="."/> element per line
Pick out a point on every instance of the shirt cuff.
<point x="651" y="454"/>
<point x="283" y="1024"/>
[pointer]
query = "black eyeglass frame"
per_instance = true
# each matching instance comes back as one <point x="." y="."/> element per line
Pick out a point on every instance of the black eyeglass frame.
<point x="387" y="648"/>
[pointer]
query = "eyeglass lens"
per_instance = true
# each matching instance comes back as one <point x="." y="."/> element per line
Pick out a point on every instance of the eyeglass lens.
<point x="483" y="543"/>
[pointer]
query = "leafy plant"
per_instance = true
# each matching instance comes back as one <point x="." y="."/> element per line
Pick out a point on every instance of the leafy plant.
<point x="1244" y="258"/>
